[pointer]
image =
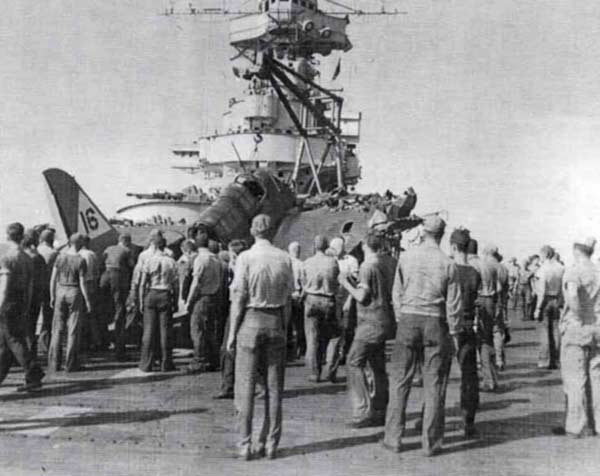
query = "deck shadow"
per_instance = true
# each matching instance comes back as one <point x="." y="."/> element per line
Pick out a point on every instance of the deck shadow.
<point x="322" y="389"/>
<point x="534" y="373"/>
<point x="508" y="387"/>
<point x="328" y="445"/>
<point x="492" y="432"/>
<point x="59" y="388"/>
<point x="94" y="418"/>
<point x="518" y="345"/>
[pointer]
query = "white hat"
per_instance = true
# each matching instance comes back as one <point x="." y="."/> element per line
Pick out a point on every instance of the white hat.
<point x="589" y="242"/>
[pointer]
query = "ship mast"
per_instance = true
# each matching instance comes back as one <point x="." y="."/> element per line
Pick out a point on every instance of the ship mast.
<point x="279" y="43"/>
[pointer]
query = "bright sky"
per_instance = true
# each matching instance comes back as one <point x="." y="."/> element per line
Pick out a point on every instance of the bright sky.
<point x="490" y="109"/>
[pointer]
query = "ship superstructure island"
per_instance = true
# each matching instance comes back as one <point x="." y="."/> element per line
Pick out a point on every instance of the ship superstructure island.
<point x="284" y="121"/>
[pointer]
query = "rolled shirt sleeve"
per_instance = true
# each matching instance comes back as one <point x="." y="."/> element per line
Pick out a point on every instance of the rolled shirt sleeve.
<point x="454" y="311"/>
<point x="291" y="279"/>
<point x="239" y="285"/>
<point x="398" y="289"/>
<point x="365" y="278"/>
<point x="198" y="266"/>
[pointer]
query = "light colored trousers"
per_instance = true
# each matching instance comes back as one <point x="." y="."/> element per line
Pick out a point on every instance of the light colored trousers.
<point x="69" y="311"/>
<point x="427" y="336"/>
<point x="580" y="369"/>
<point x="322" y="334"/>
<point x="261" y="343"/>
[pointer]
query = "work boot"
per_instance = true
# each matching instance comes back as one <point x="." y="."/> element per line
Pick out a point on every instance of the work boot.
<point x="244" y="453"/>
<point x="332" y="377"/>
<point x="223" y="396"/>
<point x="470" y="432"/>
<point x="364" y="423"/>
<point x="30" y="386"/>
<point x="387" y="447"/>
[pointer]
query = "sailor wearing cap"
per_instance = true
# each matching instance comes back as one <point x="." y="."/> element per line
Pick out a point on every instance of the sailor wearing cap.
<point x="466" y="341"/>
<point x="501" y="325"/>
<point x="261" y="294"/>
<point x="549" y="298"/>
<point x="47" y="251"/>
<point x="114" y="283"/>
<point x="69" y="297"/>
<point x="375" y="323"/>
<point x="320" y="286"/>
<point x="488" y="296"/>
<point x="428" y="303"/>
<point x="580" y="341"/>
<point x="16" y="270"/>
<point x="203" y="306"/>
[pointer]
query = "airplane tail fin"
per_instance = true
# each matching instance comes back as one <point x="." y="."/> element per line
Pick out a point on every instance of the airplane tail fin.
<point x="77" y="212"/>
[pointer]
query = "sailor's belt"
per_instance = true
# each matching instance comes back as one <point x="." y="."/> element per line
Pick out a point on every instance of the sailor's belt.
<point x="551" y="296"/>
<point x="272" y="309"/>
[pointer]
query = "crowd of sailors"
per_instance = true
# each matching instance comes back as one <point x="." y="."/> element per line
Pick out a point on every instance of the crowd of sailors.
<point x="251" y="309"/>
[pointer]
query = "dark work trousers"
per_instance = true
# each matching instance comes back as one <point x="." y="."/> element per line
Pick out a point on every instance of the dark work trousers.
<point x="322" y="333"/>
<point x="91" y="333"/>
<point x="532" y="306"/>
<point x="526" y="300"/>
<point x="469" y="384"/>
<point x="486" y="323"/>
<point x="157" y="329"/>
<point x="427" y="335"/>
<point x="513" y="296"/>
<point x="69" y="311"/>
<point x="227" y="364"/>
<point x="13" y="346"/>
<point x="115" y="286"/>
<point x="46" y="330"/>
<point x="203" y="331"/>
<point x="367" y="403"/>
<point x="500" y="327"/>
<point x="261" y="343"/>
<point x="31" y="323"/>
<point x="548" y="333"/>
<point x="348" y="329"/>
<point x="296" y="338"/>
<point x="222" y="317"/>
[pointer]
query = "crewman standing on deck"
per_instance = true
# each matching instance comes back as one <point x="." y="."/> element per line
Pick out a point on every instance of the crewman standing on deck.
<point x="91" y="333"/>
<point x="203" y="306"/>
<point x="501" y="326"/>
<point x="580" y="342"/>
<point x="30" y="244"/>
<point x="260" y="311"/>
<point x="15" y="296"/>
<point x="115" y="281"/>
<point x="47" y="251"/>
<point x="159" y="296"/>
<point x="321" y="326"/>
<point x="296" y="338"/>
<point x="375" y="324"/>
<point x="466" y="340"/>
<point x="428" y="297"/>
<point x="549" y="292"/>
<point x="487" y="319"/>
<point x="345" y="303"/>
<point x="70" y="300"/>
<point x="235" y="247"/>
